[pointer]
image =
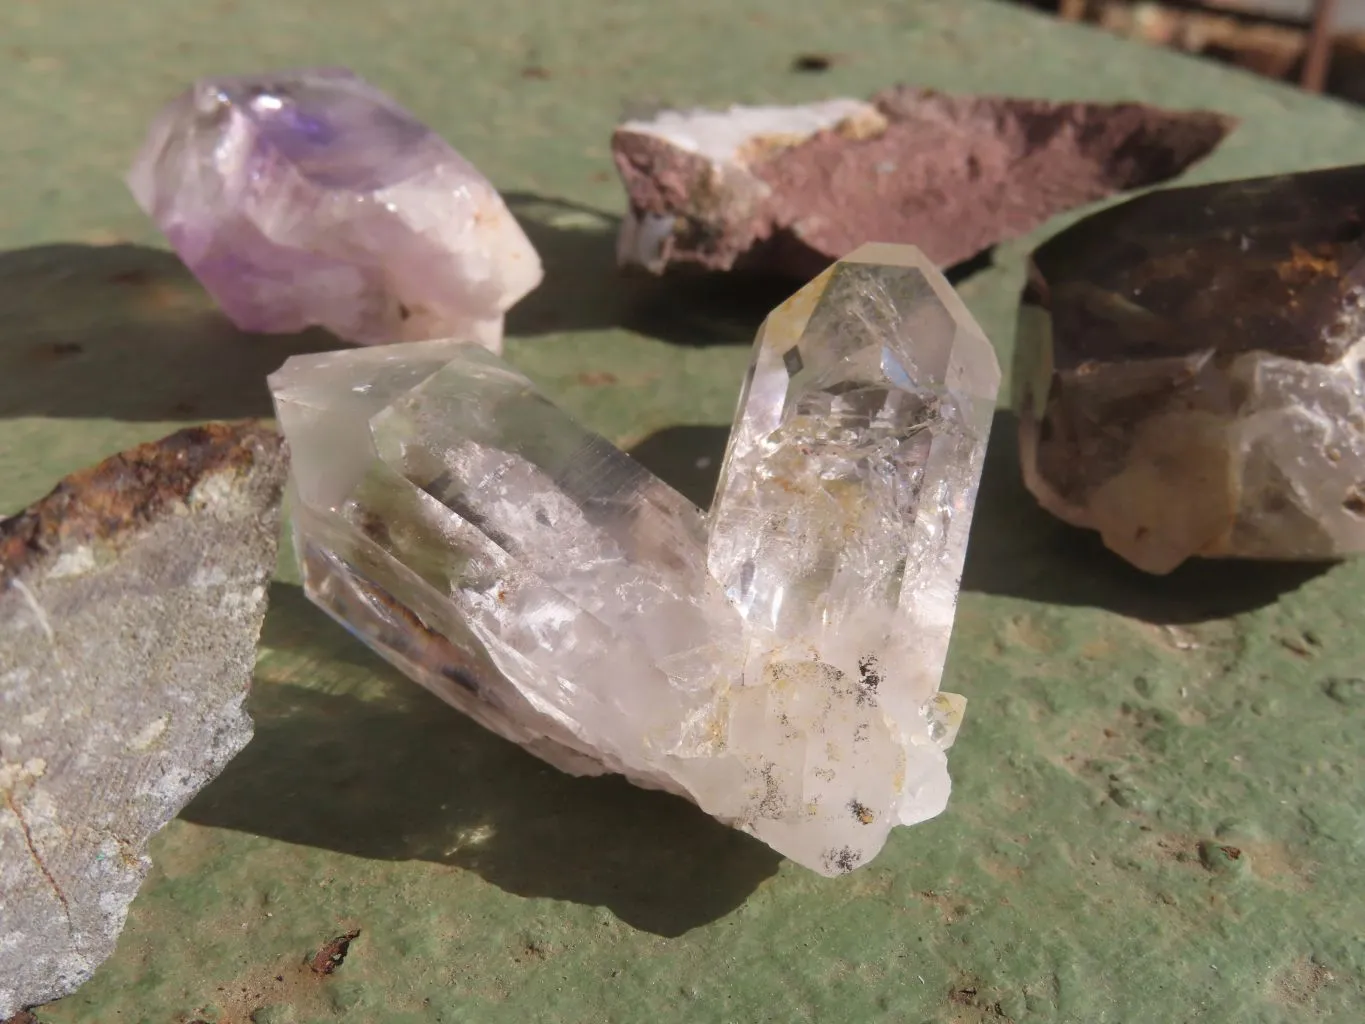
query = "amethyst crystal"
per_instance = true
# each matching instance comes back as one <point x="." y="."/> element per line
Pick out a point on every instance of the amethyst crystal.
<point x="310" y="197"/>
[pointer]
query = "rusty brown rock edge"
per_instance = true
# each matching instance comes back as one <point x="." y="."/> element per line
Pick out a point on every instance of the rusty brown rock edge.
<point x="953" y="175"/>
<point x="114" y="499"/>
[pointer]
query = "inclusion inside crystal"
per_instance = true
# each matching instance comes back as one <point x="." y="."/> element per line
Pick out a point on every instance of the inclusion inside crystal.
<point x="777" y="660"/>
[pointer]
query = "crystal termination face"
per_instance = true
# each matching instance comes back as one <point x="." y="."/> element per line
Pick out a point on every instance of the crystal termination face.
<point x="311" y="198"/>
<point x="776" y="661"/>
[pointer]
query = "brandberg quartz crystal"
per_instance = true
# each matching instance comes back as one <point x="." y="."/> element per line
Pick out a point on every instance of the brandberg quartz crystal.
<point x="777" y="661"/>
<point x="311" y="198"/>
<point x="1189" y="377"/>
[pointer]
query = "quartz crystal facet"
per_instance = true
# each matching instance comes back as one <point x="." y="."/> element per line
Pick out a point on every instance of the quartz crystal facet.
<point x="1189" y="371"/>
<point x="778" y="661"/>
<point x="311" y="198"/>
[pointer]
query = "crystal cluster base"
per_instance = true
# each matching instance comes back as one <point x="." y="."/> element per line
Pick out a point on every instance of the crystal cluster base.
<point x="778" y="661"/>
<point x="311" y="198"/>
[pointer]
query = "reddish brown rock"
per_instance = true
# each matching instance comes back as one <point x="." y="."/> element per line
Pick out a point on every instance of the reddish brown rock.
<point x="790" y="189"/>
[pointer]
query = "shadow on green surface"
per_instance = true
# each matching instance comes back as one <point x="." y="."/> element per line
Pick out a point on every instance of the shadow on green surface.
<point x="408" y="778"/>
<point x="1019" y="550"/>
<point x="585" y="290"/>
<point x="124" y="332"/>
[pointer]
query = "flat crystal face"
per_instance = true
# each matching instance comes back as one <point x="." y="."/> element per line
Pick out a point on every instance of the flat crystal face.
<point x="563" y="502"/>
<point x="777" y="662"/>
<point x="311" y="198"/>
<point x="330" y="126"/>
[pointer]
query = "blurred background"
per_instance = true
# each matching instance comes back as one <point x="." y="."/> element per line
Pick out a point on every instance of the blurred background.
<point x="1318" y="44"/>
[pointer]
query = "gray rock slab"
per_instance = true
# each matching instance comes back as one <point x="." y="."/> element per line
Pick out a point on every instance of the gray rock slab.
<point x="131" y="602"/>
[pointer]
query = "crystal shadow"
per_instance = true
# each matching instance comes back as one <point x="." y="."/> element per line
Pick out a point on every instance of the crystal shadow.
<point x="687" y="458"/>
<point x="409" y="778"/>
<point x="585" y="290"/>
<point x="124" y="332"/>
<point x="1017" y="549"/>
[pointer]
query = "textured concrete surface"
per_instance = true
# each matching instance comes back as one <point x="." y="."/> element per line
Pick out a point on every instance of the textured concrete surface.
<point x="1157" y="813"/>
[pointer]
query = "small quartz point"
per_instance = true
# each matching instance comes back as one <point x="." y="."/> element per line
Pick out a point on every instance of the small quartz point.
<point x="1188" y="371"/>
<point x="131" y="601"/>
<point x="310" y="198"/>
<point x="777" y="662"/>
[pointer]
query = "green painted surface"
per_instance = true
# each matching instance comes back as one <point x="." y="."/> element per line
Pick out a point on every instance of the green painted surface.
<point x="1124" y="735"/>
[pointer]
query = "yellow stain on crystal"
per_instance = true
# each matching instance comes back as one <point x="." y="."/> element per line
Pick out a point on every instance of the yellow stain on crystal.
<point x="787" y="322"/>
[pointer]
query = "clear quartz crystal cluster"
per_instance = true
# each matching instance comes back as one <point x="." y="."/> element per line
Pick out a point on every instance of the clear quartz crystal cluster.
<point x="311" y="198"/>
<point x="777" y="661"/>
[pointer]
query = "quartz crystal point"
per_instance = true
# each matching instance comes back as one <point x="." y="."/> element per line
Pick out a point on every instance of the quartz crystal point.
<point x="1188" y="371"/>
<point x="779" y="663"/>
<point x="311" y="198"/>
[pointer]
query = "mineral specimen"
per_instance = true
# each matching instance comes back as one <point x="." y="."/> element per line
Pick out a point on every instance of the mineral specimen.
<point x="777" y="663"/>
<point x="310" y="197"/>
<point x="790" y="189"/>
<point x="131" y="599"/>
<point x="1188" y="371"/>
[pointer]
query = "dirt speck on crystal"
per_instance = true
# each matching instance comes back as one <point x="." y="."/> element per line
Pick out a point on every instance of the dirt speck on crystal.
<point x="842" y="860"/>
